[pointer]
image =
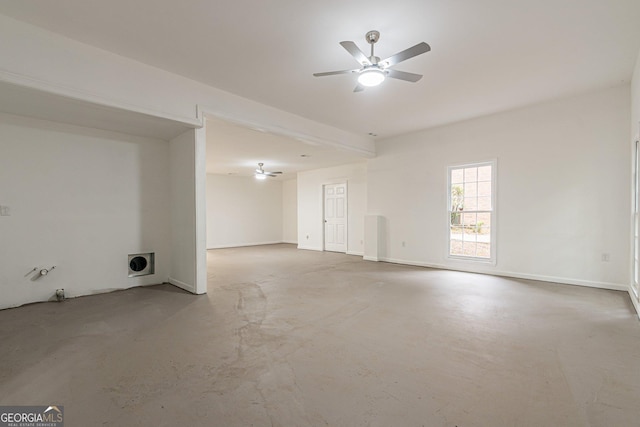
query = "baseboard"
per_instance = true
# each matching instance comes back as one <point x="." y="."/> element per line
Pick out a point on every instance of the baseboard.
<point x="371" y="258"/>
<point x="291" y="242"/>
<point x="526" y="276"/>
<point x="182" y="285"/>
<point x="242" y="245"/>
<point x="355" y="253"/>
<point x="309" y="248"/>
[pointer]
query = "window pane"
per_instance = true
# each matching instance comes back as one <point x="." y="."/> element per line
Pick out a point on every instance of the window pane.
<point x="484" y="203"/>
<point x="483" y="250"/>
<point x="484" y="223"/>
<point x="471" y="203"/>
<point x="457" y="176"/>
<point x="456" y="218"/>
<point x="470" y="174"/>
<point x="470" y="189"/>
<point x="468" y="219"/>
<point x="484" y="188"/>
<point x="455" y="246"/>
<point x="484" y="173"/>
<point x="484" y="234"/>
<point x="457" y="195"/>
<point x="469" y="249"/>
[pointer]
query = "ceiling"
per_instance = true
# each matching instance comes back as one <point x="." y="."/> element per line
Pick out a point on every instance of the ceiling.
<point x="236" y="150"/>
<point x="487" y="55"/>
<point x="22" y="101"/>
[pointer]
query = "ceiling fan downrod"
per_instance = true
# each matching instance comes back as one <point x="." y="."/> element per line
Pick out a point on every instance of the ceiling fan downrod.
<point x="372" y="38"/>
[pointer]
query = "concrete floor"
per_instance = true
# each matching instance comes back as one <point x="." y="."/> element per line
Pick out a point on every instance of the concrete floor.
<point x="300" y="338"/>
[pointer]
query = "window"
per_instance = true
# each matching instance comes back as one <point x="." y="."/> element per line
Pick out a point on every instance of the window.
<point x="471" y="213"/>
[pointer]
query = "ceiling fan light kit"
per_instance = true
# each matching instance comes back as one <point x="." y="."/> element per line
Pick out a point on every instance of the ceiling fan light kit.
<point x="371" y="77"/>
<point x="374" y="71"/>
<point x="262" y="174"/>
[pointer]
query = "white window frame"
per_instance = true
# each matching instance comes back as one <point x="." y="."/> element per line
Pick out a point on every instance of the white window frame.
<point x="492" y="260"/>
<point x="636" y="221"/>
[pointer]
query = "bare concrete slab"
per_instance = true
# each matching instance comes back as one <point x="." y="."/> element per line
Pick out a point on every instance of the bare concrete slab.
<point x="299" y="338"/>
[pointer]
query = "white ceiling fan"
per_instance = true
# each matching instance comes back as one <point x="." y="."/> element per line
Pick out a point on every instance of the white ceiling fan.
<point x="374" y="71"/>
<point x="262" y="174"/>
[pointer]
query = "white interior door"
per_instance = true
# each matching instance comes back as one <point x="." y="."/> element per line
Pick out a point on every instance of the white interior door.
<point x="335" y="217"/>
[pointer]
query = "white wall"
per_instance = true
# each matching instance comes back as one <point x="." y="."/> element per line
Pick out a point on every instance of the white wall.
<point x="310" y="205"/>
<point x="290" y="211"/>
<point x="635" y="99"/>
<point x="82" y="200"/>
<point x="563" y="189"/>
<point x="243" y="211"/>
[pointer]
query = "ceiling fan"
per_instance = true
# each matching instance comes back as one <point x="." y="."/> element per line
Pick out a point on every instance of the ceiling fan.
<point x="374" y="71"/>
<point x="262" y="174"/>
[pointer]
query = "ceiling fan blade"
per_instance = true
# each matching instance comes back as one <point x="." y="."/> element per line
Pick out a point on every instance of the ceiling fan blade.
<point x="333" y="73"/>
<point x="402" y="75"/>
<point x="359" y="88"/>
<point x="356" y="52"/>
<point x="416" y="50"/>
<point x="270" y="174"/>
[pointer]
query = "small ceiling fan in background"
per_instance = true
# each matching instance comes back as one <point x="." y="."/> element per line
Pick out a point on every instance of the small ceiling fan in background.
<point x="262" y="174"/>
<point x="374" y="71"/>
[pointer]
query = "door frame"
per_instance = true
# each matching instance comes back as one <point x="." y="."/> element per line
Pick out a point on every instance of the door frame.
<point x="346" y="208"/>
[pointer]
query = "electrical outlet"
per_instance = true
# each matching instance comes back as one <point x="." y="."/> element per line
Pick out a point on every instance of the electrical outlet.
<point x="606" y="257"/>
<point x="307" y="237"/>
<point x="5" y="211"/>
<point x="404" y="243"/>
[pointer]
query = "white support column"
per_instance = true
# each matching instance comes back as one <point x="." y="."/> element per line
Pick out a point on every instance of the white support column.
<point x="188" y="211"/>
